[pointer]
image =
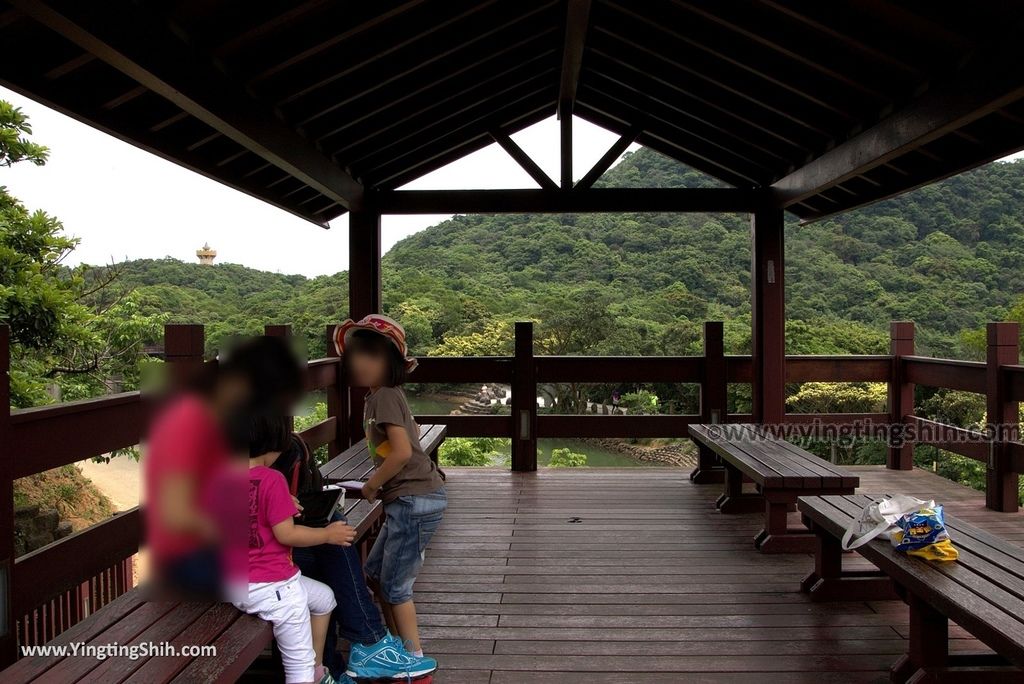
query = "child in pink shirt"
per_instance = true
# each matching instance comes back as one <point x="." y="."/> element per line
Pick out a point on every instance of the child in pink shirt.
<point x="299" y="607"/>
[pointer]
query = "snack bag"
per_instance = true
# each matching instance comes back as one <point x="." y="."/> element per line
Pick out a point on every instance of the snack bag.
<point x="923" y="534"/>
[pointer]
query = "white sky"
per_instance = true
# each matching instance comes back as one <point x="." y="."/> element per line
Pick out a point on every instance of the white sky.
<point x="125" y="203"/>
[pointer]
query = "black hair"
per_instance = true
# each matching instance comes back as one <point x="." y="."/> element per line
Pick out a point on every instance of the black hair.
<point x="268" y="432"/>
<point x="269" y="368"/>
<point x="374" y="344"/>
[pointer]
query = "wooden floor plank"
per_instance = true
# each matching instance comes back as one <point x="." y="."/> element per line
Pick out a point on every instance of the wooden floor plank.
<point x="631" y="575"/>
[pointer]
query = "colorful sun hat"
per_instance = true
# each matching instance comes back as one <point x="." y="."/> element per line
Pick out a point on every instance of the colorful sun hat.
<point x="380" y="324"/>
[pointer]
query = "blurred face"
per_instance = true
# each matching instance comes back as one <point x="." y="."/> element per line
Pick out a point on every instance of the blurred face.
<point x="368" y="370"/>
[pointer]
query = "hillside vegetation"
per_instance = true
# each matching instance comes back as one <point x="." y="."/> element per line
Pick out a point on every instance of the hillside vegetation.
<point x="947" y="256"/>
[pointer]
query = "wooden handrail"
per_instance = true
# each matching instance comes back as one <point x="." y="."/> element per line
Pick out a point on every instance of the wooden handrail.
<point x="825" y="368"/>
<point x="961" y="441"/>
<point x="1016" y="382"/>
<point x="967" y="376"/>
<point x="53" y="436"/>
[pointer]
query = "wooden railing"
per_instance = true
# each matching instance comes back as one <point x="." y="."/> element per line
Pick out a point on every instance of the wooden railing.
<point x="52" y="588"/>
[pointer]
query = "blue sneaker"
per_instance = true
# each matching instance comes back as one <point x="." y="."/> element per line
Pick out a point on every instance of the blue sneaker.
<point x="386" y="659"/>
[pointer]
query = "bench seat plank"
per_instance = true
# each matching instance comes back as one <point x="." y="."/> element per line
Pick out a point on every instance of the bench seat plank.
<point x="217" y="618"/>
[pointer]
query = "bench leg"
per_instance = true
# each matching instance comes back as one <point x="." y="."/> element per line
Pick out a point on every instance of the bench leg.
<point x="929" y="642"/>
<point x="709" y="468"/>
<point x="733" y="499"/>
<point x="984" y="668"/>
<point x="829" y="582"/>
<point x="776" y="537"/>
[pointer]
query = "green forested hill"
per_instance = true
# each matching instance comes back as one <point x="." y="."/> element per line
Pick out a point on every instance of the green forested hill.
<point x="948" y="256"/>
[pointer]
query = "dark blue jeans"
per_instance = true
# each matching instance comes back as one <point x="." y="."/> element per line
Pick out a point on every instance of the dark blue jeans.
<point x="356" y="619"/>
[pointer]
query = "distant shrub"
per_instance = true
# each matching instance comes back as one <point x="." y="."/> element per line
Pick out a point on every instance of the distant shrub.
<point x="566" y="458"/>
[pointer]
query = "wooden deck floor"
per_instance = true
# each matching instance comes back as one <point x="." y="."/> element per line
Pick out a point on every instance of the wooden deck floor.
<point x="630" y="575"/>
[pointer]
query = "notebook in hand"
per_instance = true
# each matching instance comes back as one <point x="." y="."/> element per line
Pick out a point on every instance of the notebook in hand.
<point x="319" y="507"/>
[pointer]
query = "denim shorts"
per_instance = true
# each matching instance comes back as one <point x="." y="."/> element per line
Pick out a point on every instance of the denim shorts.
<point x="397" y="555"/>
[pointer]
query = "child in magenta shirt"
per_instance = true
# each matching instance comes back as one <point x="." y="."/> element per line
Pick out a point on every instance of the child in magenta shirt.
<point x="299" y="607"/>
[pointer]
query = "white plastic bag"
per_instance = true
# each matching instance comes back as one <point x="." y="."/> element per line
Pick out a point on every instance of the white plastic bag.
<point x="879" y="516"/>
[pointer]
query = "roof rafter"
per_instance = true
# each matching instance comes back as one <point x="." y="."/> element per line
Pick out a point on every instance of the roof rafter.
<point x="576" y="21"/>
<point x="976" y="93"/>
<point x="155" y="58"/>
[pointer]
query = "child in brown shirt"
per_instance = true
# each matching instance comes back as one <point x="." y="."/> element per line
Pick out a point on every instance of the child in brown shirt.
<point x="405" y="479"/>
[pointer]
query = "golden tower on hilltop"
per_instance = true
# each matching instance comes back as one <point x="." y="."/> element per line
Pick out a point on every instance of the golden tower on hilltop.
<point x="206" y="255"/>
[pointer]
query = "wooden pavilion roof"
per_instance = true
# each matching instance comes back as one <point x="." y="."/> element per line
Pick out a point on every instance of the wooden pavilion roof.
<point x="316" y="105"/>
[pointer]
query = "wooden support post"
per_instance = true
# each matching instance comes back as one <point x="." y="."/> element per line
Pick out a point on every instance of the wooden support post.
<point x="565" y="126"/>
<point x="338" y="403"/>
<point x="284" y="331"/>
<point x="768" y="316"/>
<point x="1001" y="480"/>
<point x="364" y="289"/>
<point x="364" y="252"/>
<point x="184" y="346"/>
<point x="713" y="402"/>
<point x="524" y="401"/>
<point x="901" y="395"/>
<point x="8" y="640"/>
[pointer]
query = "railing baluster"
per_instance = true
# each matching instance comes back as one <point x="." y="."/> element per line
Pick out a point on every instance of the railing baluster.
<point x="713" y="401"/>
<point x="901" y="392"/>
<point x="8" y="638"/>
<point x="1000" y="479"/>
<point x="524" y="401"/>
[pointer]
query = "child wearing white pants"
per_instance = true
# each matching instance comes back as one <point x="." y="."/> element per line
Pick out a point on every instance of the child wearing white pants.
<point x="288" y="605"/>
<point x="298" y="607"/>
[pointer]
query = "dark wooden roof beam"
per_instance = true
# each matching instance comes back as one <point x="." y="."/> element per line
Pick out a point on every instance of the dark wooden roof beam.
<point x="524" y="160"/>
<point x="593" y="200"/>
<point x="613" y="154"/>
<point x="577" y="20"/>
<point x="129" y="40"/>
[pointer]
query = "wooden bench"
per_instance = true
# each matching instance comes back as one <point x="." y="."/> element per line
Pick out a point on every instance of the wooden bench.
<point x="137" y="618"/>
<point x="983" y="592"/>
<point x="780" y="471"/>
